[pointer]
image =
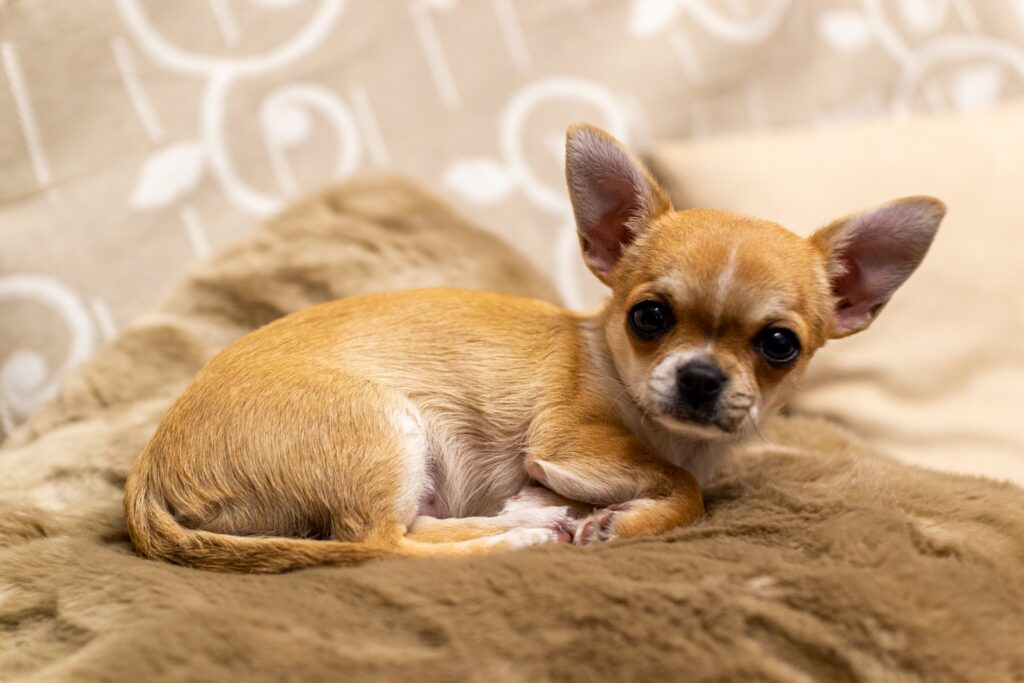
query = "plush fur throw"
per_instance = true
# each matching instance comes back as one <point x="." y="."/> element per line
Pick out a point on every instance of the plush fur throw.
<point x="818" y="559"/>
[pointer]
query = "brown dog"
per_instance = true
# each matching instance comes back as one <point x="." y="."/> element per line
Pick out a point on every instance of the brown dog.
<point x="401" y="423"/>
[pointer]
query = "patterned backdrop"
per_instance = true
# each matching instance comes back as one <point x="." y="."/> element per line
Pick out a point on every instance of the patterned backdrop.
<point x="137" y="136"/>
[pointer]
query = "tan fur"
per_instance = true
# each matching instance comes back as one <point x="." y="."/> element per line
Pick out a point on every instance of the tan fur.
<point x="343" y="432"/>
<point x="817" y="559"/>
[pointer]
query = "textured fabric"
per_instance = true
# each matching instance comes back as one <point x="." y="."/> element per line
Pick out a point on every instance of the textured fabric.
<point x="937" y="380"/>
<point x="818" y="560"/>
<point x="138" y="135"/>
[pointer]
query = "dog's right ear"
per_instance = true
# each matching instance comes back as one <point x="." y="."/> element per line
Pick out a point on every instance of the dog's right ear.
<point x="614" y="198"/>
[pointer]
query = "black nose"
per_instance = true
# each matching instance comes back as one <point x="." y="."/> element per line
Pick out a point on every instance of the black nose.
<point x="700" y="382"/>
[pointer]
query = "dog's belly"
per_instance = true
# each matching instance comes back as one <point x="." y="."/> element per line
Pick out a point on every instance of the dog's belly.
<point x="468" y="475"/>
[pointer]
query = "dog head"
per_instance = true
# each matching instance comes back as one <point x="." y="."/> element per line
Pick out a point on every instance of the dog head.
<point x="714" y="315"/>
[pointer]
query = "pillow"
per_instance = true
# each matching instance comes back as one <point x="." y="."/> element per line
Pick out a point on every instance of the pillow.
<point x="939" y="378"/>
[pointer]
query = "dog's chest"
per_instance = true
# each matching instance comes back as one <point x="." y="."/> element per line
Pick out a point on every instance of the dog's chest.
<point x="701" y="459"/>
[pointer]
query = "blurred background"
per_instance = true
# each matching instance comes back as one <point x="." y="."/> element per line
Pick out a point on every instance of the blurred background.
<point x="138" y="136"/>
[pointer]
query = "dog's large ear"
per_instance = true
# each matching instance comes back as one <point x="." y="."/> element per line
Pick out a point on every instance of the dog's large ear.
<point x="614" y="198"/>
<point x="872" y="253"/>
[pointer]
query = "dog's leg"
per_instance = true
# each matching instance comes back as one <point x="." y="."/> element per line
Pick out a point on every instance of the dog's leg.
<point x="519" y="537"/>
<point x="639" y="493"/>
<point x="533" y="507"/>
<point x="532" y="496"/>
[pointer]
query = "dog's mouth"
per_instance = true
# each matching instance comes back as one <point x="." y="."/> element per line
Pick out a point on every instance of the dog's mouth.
<point x="698" y="428"/>
<point x="708" y="425"/>
<point x="727" y="418"/>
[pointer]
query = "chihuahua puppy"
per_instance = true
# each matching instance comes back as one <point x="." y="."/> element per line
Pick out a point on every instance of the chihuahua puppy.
<point x="444" y="422"/>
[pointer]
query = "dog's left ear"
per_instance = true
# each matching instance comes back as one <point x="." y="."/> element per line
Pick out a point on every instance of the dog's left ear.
<point x="872" y="253"/>
<point x="614" y="198"/>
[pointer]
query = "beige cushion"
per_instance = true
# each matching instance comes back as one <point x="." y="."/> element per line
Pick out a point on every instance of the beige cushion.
<point x="938" y="379"/>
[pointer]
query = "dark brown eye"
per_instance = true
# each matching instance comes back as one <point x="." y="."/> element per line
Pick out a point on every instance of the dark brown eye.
<point x="777" y="345"/>
<point x="650" y="319"/>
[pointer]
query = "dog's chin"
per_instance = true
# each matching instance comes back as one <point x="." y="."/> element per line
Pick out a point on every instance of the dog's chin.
<point x="700" y="430"/>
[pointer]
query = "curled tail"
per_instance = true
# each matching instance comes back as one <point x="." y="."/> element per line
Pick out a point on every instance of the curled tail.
<point x="158" y="535"/>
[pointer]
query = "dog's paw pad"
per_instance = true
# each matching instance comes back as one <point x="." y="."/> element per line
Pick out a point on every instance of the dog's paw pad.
<point x="596" y="528"/>
<point x="563" y="530"/>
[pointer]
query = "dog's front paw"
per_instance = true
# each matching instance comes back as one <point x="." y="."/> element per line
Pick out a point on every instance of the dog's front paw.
<point x="600" y="526"/>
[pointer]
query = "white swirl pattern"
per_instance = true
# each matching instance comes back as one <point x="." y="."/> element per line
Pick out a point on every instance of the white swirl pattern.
<point x="641" y="68"/>
<point x="25" y="379"/>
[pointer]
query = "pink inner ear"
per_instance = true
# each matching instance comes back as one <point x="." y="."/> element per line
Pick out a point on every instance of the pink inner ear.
<point x="876" y="252"/>
<point x="854" y="307"/>
<point x="611" y="193"/>
<point x="604" y="244"/>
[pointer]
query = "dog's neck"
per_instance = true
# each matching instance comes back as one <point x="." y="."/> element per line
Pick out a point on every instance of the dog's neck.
<point x="700" y="456"/>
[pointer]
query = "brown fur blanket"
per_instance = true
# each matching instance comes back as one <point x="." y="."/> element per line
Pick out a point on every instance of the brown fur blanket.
<point x="817" y="560"/>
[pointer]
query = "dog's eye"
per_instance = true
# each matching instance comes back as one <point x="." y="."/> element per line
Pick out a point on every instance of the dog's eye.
<point x="650" y="319"/>
<point x="778" y="345"/>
